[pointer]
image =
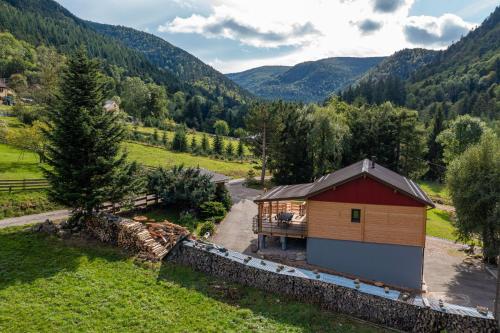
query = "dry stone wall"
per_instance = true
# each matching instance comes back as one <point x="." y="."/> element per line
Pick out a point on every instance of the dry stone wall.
<point x="387" y="312"/>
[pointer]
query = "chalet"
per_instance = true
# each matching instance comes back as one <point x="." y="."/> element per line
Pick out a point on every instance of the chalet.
<point x="363" y="220"/>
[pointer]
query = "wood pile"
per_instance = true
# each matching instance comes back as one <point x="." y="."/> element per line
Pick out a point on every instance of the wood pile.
<point x="152" y="241"/>
<point x="166" y="233"/>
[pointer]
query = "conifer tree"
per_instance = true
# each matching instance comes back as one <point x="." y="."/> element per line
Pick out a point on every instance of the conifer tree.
<point x="205" y="146"/>
<point x="194" y="144"/>
<point x="240" y="151"/>
<point x="435" y="153"/>
<point x="229" y="149"/>
<point x="164" y="139"/>
<point x="218" y="145"/>
<point x="87" y="166"/>
<point x="155" y="136"/>
<point x="179" y="142"/>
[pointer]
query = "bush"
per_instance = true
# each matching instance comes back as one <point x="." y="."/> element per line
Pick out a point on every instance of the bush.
<point x="186" y="219"/>
<point x="26" y="115"/>
<point x="185" y="187"/>
<point x="222" y="195"/>
<point x="213" y="209"/>
<point x="207" y="227"/>
<point x="250" y="179"/>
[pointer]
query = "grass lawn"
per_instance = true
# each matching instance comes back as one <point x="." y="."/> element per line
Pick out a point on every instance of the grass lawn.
<point x="189" y="136"/>
<point x="25" y="203"/>
<point x="436" y="191"/>
<point x="18" y="164"/>
<point x="47" y="285"/>
<point x="439" y="224"/>
<point x="155" y="156"/>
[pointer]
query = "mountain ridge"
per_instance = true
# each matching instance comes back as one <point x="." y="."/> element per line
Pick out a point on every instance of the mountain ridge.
<point x="310" y="81"/>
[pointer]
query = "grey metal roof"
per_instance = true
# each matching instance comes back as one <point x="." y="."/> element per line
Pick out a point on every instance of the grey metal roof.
<point x="363" y="167"/>
<point x="216" y="177"/>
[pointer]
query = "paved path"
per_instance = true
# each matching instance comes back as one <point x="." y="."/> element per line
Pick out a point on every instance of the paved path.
<point x="36" y="218"/>
<point x="235" y="231"/>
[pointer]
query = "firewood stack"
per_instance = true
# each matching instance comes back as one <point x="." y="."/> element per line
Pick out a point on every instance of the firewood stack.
<point x="166" y="233"/>
<point x="152" y="241"/>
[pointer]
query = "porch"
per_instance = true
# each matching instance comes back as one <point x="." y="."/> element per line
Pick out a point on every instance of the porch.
<point x="281" y="218"/>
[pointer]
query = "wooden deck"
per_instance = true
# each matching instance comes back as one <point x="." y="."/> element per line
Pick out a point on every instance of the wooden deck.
<point x="266" y="222"/>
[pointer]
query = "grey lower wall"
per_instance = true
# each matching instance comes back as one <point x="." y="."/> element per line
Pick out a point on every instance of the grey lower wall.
<point x="390" y="313"/>
<point x="397" y="265"/>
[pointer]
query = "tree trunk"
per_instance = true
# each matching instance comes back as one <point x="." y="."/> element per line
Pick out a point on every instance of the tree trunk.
<point x="264" y="156"/>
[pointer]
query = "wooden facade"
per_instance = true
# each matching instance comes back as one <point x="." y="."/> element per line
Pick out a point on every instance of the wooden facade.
<point x="382" y="224"/>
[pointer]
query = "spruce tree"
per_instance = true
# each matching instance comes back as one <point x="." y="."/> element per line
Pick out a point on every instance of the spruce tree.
<point x="205" y="146"/>
<point x="435" y="153"/>
<point x="155" y="136"/>
<point x="87" y="166"/>
<point x="179" y="142"/>
<point x="229" y="149"/>
<point x="240" y="151"/>
<point x="218" y="145"/>
<point x="164" y="139"/>
<point x="194" y="144"/>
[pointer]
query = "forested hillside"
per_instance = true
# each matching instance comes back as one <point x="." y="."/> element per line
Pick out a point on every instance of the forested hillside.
<point x="463" y="79"/>
<point x="184" y="65"/>
<point x="310" y="81"/>
<point x="198" y="94"/>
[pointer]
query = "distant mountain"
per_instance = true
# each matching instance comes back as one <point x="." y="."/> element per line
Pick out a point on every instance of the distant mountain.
<point x="310" y="81"/>
<point x="138" y="53"/>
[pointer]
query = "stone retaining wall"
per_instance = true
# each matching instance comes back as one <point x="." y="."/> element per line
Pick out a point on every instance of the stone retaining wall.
<point x="390" y="313"/>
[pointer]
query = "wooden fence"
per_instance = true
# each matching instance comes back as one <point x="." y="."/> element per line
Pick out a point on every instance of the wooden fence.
<point x="142" y="201"/>
<point x="23" y="184"/>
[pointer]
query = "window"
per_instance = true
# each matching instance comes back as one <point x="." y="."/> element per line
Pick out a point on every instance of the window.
<point x="355" y="215"/>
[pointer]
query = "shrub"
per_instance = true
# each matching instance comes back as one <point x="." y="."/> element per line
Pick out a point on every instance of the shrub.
<point x="213" y="209"/>
<point x="186" y="219"/>
<point x="185" y="187"/>
<point x="207" y="227"/>
<point x="222" y="195"/>
<point x="250" y="179"/>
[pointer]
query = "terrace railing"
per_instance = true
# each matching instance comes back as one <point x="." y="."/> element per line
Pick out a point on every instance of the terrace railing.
<point x="275" y="228"/>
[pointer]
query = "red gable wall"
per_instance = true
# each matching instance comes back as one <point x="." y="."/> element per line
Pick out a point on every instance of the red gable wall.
<point x="366" y="191"/>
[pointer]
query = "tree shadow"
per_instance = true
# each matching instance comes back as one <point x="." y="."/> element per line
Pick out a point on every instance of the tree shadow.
<point x="471" y="285"/>
<point x="26" y="256"/>
<point x="306" y="317"/>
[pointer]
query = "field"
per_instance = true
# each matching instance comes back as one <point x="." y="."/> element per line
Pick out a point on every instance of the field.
<point x="439" y="224"/>
<point x="19" y="164"/>
<point x="47" y="285"/>
<point x="154" y="156"/>
<point x="190" y="134"/>
<point x="436" y="191"/>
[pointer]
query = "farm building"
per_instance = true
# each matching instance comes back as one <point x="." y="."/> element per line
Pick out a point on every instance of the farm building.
<point x="363" y="220"/>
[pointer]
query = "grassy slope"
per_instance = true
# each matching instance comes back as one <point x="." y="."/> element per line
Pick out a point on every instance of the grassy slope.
<point x="439" y="224"/>
<point x="154" y="156"/>
<point x="18" y="164"/>
<point x="197" y="135"/>
<point x="436" y="191"/>
<point x="67" y="287"/>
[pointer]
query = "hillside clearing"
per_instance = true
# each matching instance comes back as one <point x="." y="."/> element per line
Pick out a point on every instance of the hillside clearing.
<point x="90" y="287"/>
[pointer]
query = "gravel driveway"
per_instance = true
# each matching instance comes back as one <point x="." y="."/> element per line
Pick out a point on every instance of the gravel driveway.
<point x="235" y="231"/>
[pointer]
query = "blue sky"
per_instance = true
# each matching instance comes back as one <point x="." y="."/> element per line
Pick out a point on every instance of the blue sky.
<point x="234" y="35"/>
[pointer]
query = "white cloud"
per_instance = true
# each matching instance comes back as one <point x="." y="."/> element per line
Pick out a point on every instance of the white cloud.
<point x="215" y="26"/>
<point x="316" y="29"/>
<point x="435" y="31"/>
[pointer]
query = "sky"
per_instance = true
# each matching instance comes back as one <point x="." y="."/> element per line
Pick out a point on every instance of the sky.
<point x="236" y="35"/>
